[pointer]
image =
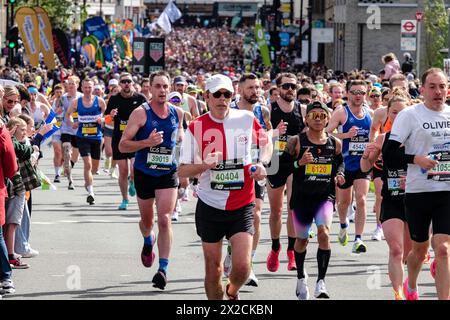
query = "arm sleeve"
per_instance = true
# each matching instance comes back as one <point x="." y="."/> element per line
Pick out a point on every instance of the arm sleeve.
<point x="394" y="155"/>
<point x="339" y="163"/>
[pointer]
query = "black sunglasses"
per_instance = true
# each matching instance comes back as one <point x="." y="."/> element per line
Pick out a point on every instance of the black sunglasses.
<point x="126" y="81"/>
<point x="287" y="86"/>
<point x="9" y="101"/>
<point x="226" y="94"/>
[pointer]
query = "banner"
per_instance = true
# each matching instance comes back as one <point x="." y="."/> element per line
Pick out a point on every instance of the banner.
<point x="120" y="47"/>
<point x="97" y="27"/>
<point x="46" y="37"/>
<point x="173" y="12"/>
<point x="61" y="46"/>
<point x="263" y="48"/>
<point x="164" y="22"/>
<point x="95" y="44"/>
<point x="28" y="25"/>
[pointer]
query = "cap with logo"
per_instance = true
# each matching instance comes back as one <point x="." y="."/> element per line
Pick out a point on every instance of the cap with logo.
<point x="317" y="105"/>
<point x="113" y="82"/>
<point x="180" y="80"/>
<point x="217" y="82"/>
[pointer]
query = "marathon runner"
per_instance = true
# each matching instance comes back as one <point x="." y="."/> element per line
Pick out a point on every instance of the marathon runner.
<point x="218" y="147"/>
<point x="354" y="121"/>
<point x="424" y="130"/>
<point x="90" y="109"/>
<point x="314" y="157"/>
<point x="152" y="132"/>
<point x="120" y="107"/>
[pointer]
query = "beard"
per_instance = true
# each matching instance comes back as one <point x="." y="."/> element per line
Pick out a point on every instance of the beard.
<point x="251" y="99"/>
<point x="287" y="97"/>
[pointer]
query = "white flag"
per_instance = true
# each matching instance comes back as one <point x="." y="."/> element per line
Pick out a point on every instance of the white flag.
<point x="172" y="11"/>
<point x="164" y="22"/>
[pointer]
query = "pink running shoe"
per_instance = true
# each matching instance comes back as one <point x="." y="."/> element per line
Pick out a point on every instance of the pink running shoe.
<point x="147" y="254"/>
<point x="272" y="261"/>
<point x="433" y="268"/>
<point x="409" y="295"/>
<point x="291" y="260"/>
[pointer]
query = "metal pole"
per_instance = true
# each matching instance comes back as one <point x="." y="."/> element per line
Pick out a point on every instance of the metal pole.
<point x="299" y="54"/>
<point x="309" y="34"/>
<point x="419" y="24"/>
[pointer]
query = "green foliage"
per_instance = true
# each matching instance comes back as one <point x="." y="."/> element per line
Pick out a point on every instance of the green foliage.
<point x="59" y="11"/>
<point x="436" y="32"/>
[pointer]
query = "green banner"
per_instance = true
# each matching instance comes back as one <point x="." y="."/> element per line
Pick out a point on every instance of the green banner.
<point x="262" y="45"/>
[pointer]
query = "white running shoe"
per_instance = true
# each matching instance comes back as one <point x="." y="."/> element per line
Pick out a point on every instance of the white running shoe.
<point x="227" y="264"/>
<point x="252" y="280"/>
<point x="321" y="291"/>
<point x="302" y="290"/>
<point x="30" y="253"/>
<point x="351" y="212"/>
<point x="377" y="234"/>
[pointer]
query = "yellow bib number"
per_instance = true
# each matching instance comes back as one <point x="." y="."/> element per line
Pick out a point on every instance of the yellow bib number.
<point x="318" y="169"/>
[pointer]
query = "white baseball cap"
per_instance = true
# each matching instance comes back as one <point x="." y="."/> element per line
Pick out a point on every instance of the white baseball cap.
<point x="217" y="82"/>
<point x="113" y="82"/>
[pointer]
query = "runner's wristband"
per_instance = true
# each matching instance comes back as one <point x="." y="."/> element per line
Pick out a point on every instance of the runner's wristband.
<point x="296" y="166"/>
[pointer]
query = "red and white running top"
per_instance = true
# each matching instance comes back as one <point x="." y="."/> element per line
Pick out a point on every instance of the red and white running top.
<point x="228" y="186"/>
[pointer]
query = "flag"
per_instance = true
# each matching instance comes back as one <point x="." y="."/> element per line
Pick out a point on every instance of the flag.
<point x="235" y="21"/>
<point x="164" y="22"/>
<point x="262" y="45"/>
<point x="172" y="11"/>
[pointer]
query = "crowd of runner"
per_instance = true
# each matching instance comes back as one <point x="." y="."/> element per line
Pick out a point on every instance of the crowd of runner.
<point x="315" y="141"/>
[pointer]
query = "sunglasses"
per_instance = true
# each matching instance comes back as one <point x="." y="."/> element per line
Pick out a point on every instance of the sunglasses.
<point x="226" y="94"/>
<point x="9" y="101"/>
<point x="175" y="100"/>
<point x="287" y="86"/>
<point x="125" y="81"/>
<point x="375" y="96"/>
<point x="317" y="115"/>
<point x="266" y="82"/>
<point x="304" y="101"/>
<point x="358" y="92"/>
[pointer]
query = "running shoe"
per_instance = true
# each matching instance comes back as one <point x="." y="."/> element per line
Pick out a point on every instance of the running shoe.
<point x="16" y="263"/>
<point x="398" y="295"/>
<point x="252" y="280"/>
<point x="131" y="188"/>
<point x="159" y="280"/>
<point x="433" y="268"/>
<point x="359" y="246"/>
<point x="343" y="236"/>
<point x="410" y="295"/>
<point x="113" y="173"/>
<point x="272" y="260"/>
<point x="227" y="263"/>
<point x="377" y="234"/>
<point x="147" y="254"/>
<point x="175" y="215"/>
<point x="7" y="287"/>
<point x="311" y="234"/>
<point x="195" y="191"/>
<point x="124" y="205"/>
<point x="302" y="291"/>
<point x="71" y="187"/>
<point x="321" y="290"/>
<point x="230" y="297"/>
<point x="57" y="179"/>
<point x="351" y="213"/>
<point x="31" y="253"/>
<point x="427" y="258"/>
<point x="291" y="260"/>
<point x="90" y="199"/>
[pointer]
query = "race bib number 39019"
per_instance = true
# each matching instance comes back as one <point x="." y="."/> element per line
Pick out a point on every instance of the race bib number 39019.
<point x="160" y="158"/>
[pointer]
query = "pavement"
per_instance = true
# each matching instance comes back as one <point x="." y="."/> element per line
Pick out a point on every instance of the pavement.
<point x="93" y="252"/>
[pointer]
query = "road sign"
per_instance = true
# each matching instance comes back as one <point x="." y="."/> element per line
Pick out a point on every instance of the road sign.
<point x="408" y="44"/>
<point x="408" y="27"/>
<point x="419" y="15"/>
<point x="447" y="67"/>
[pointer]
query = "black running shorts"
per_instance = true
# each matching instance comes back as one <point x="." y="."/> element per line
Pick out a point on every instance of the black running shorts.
<point x="213" y="224"/>
<point x="89" y="147"/>
<point x="392" y="209"/>
<point x="423" y="209"/>
<point x="351" y="176"/>
<point x="65" y="137"/>
<point x="146" y="185"/>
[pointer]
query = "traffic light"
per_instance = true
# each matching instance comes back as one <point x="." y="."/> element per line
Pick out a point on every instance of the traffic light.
<point x="12" y="36"/>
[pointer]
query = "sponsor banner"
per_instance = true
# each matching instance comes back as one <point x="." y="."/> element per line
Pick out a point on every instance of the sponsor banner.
<point x="28" y="25"/>
<point x="46" y="37"/>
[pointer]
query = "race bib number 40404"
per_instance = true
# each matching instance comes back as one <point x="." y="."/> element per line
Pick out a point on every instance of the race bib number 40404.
<point x="228" y="175"/>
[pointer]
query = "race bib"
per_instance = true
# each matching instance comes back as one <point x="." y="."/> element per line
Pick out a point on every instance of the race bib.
<point x="160" y="158"/>
<point x="89" y="129"/>
<point x="280" y="144"/>
<point x="394" y="184"/>
<point x="123" y="125"/>
<point x="75" y="116"/>
<point x="228" y="175"/>
<point x="357" y="148"/>
<point x="313" y="169"/>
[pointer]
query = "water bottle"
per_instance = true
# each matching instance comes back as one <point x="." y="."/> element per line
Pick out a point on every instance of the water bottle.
<point x="262" y="182"/>
<point x="432" y="157"/>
